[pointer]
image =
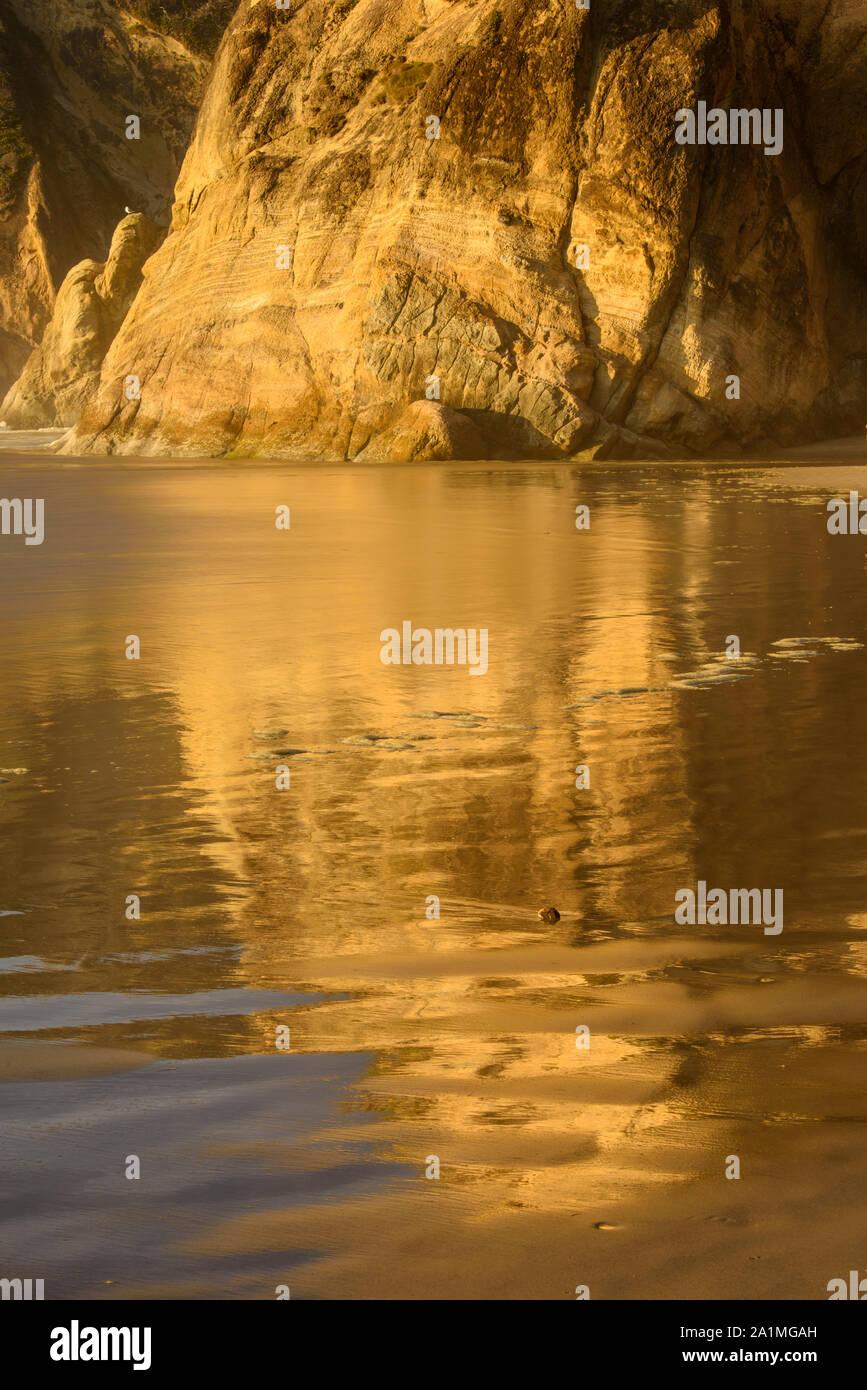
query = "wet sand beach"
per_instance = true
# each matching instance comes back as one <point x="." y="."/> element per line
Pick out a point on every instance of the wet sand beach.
<point x="308" y="908"/>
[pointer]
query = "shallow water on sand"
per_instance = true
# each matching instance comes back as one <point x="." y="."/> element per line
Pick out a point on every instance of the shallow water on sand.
<point x="305" y="907"/>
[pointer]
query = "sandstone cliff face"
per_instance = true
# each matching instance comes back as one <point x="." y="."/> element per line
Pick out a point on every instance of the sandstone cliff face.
<point x="70" y="73"/>
<point x="329" y="266"/>
<point x="61" y="374"/>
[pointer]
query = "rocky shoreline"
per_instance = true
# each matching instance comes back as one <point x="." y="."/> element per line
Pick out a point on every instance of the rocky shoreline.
<point x="474" y="231"/>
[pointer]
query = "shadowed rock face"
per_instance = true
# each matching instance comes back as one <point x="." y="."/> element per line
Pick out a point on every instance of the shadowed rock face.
<point x="62" y="373"/>
<point x="326" y="260"/>
<point x="427" y="430"/>
<point x="70" y="73"/>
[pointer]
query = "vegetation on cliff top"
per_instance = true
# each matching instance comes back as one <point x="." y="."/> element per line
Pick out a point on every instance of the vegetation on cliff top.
<point x="16" y="153"/>
<point x="199" y="25"/>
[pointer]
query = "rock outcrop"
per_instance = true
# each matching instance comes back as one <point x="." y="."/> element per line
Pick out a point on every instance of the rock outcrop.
<point x="71" y="71"/>
<point x="61" y="374"/>
<point x="328" y="264"/>
<point x="427" y="430"/>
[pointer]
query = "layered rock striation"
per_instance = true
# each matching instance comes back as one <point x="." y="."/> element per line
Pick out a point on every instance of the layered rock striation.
<point x="71" y="71"/>
<point x="62" y="374"/>
<point x="552" y="275"/>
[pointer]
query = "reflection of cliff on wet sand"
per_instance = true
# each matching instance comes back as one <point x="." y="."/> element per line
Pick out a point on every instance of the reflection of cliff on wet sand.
<point x="455" y="1036"/>
<point x="540" y="1143"/>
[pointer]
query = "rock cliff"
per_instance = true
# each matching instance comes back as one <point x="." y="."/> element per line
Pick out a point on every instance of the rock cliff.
<point x="61" y="375"/>
<point x="70" y="73"/>
<point x="552" y="275"/>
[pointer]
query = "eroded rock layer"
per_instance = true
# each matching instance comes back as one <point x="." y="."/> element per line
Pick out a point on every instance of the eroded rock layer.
<point x="71" y="71"/>
<point x="61" y="375"/>
<point x="329" y="265"/>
